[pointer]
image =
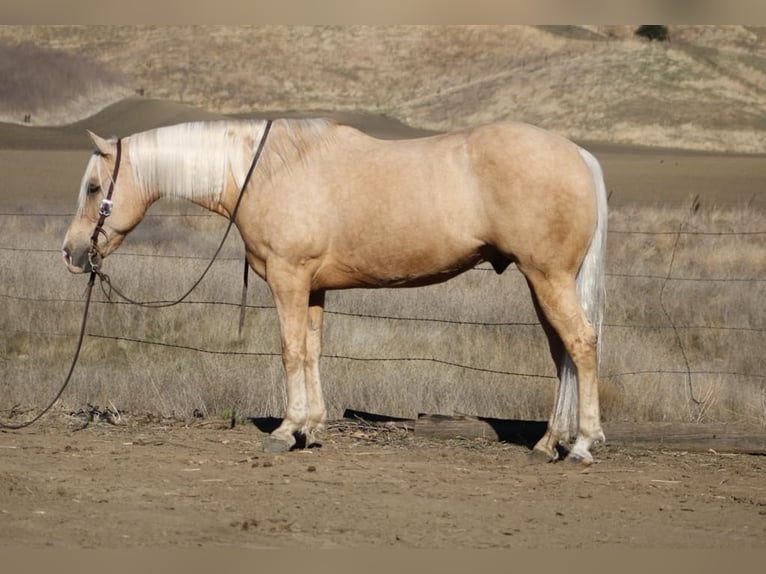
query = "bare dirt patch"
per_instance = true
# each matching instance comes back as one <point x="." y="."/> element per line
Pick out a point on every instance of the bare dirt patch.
<point x="166" y="483"/>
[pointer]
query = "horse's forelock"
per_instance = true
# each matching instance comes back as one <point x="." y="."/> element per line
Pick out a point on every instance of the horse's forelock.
<point x="93" y="164"/>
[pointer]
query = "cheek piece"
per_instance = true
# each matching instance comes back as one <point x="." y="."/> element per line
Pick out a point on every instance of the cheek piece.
<point x="104" y="211"/>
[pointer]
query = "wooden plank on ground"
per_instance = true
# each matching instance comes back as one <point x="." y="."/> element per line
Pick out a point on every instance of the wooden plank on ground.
<point x="725" y="438"/>
<point x="720" y="437"/>
<point x="379" y="420"/>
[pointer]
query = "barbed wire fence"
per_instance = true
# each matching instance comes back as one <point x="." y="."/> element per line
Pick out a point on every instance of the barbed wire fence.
<point x="688" y="371"/>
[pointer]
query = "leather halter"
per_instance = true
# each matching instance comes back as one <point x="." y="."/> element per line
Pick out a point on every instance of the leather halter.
<point x="104" y="209"/>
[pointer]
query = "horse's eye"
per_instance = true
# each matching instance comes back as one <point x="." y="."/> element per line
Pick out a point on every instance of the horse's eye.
<point x="93" y="188"/>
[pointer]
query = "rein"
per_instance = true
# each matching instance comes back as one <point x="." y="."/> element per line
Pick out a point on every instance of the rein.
<point x="105" y="210"/>
<point x="160" y="304"/>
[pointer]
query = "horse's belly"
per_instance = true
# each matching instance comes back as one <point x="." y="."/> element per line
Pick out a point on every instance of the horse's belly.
<point x="398" y="267"/>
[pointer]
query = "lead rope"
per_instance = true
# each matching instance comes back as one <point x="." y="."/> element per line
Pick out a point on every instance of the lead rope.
<point x="243" y="302"/>
<point x="104" y="212"/>
<point x="80" y="339"/>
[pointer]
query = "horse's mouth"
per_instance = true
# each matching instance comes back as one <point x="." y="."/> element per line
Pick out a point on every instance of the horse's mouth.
<point x="80" y="264"/>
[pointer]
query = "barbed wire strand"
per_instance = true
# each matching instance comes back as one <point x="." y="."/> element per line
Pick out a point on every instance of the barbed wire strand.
<point x="120" y="255"/>
<point x="214" y="216"/>
<point x="324" y="356"/>
<point x="371" y="316"/>
<point x="273" y="354"/>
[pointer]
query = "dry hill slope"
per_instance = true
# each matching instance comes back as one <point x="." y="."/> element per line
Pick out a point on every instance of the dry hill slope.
<point x="702" y="90"/>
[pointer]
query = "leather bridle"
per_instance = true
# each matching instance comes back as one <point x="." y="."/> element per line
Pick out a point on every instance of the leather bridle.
<point x="104" y="211"/>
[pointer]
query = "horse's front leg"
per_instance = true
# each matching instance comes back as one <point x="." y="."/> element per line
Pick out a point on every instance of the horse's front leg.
<point x="317" y="413"/>
<point x="291" y="296"/>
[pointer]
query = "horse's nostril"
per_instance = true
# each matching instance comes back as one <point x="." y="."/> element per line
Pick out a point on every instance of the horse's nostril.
<point x="75" y="266"/>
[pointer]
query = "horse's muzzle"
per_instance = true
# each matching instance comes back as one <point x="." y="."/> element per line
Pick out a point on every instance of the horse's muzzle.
<point x="78" y="262"/>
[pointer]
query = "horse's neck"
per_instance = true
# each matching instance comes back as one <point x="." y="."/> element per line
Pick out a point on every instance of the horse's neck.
<point x="207" y="163"/>
<point x="184" y="162"/>
<point x="210" y="202"/>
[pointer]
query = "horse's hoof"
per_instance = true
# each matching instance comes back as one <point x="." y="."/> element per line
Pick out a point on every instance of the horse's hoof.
<point x="580" y="453"/>
<point x="275" y="445"/>
<point x="584" y="460"/>
<point x="539" y="456"/>
<point x="312" y="440"/>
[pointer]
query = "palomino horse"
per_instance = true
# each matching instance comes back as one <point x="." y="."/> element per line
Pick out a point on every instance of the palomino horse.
<point x="329" y="207"/>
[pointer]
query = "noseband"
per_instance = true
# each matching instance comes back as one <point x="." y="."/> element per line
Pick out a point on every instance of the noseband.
<point x="104" y="211"/>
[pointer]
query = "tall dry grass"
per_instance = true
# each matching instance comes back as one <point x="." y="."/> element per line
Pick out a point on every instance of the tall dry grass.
<point x="387" y="351"/>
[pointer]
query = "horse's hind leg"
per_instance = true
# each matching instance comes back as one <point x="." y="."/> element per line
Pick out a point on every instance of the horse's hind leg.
<point x="563" y="420"/>
<point x="557" y="298"/>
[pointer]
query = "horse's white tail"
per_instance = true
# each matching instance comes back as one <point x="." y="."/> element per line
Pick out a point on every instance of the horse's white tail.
<point x="592" y="294"/>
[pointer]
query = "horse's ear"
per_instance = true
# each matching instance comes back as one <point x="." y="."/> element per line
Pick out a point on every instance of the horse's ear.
<point x="104" y="147"/>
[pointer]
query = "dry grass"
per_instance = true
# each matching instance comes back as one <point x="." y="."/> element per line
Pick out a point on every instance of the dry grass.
<point x="702" y="90"/>
<point x="719" y="325"/>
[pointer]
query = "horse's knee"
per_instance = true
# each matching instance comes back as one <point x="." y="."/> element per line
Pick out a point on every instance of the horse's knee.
<point x="293" y="358"/>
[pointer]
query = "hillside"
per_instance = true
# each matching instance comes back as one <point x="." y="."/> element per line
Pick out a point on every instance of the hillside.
<point x="705" y="89"/>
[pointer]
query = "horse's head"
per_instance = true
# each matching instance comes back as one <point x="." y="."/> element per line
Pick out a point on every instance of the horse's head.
<point x="85" y="243"/>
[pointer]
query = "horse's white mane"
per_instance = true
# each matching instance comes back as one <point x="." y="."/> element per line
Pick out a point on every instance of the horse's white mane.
<point x="192" y="160"/>
<point x="185" y="160"/>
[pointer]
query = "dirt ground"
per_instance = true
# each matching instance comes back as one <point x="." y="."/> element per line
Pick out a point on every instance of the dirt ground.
<point x="163" y="484"/>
